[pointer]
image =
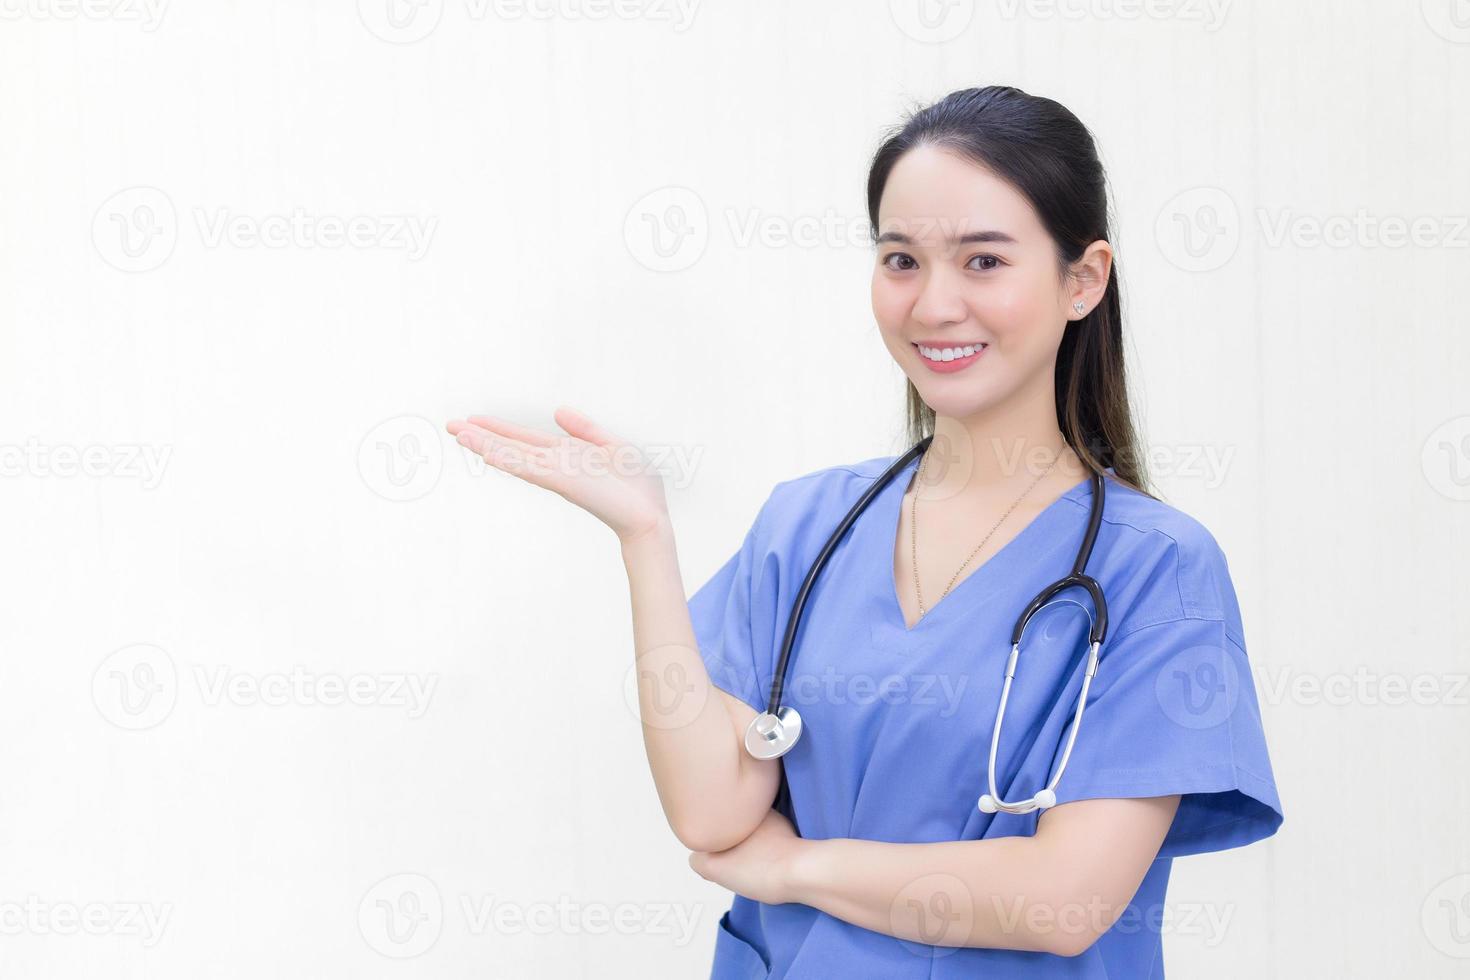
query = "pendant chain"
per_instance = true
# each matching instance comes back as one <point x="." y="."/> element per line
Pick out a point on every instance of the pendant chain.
<point x="914" y="530"/>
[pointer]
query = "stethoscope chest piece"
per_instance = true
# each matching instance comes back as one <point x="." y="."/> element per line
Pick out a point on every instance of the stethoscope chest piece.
<point x="771" y="736"/>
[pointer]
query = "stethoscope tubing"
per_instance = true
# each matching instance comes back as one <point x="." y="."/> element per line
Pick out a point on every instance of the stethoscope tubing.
<point x="773" y="733"/>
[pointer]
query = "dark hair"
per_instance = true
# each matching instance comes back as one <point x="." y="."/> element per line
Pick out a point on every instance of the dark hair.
<point x="1043" y="150"/>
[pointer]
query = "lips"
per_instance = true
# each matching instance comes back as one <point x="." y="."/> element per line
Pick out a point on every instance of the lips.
<point x="958" y="360"/>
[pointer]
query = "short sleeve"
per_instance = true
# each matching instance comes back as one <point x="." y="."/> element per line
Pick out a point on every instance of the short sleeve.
<point x="724" y="611"/>
<point x="1173" y="709"/>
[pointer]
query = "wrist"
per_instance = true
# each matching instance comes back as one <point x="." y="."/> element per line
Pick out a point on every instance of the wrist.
<point x="806" y="869"/>
<point x="655" y="535"/>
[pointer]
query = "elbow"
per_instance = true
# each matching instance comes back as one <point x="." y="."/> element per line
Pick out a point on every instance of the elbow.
<point x="707" y="835"/>
<point x="1072" y="942"/>
<point x="1081" y="914"/>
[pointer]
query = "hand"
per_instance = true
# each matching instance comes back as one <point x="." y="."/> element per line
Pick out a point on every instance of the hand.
<point x="759" y="867"/>
<point x="590" y="467"/>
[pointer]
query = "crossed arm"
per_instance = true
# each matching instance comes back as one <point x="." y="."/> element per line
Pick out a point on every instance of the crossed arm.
<point x="1055" y="892"/>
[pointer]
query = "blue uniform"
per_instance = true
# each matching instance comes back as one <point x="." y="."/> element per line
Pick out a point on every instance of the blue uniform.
<point x="898" y="720"/>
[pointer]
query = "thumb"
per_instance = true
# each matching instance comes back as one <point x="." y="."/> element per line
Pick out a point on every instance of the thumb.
<point x="578" y="425"/>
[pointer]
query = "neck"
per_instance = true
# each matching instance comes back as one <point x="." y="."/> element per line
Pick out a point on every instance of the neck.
<point x="1006" y="446"/>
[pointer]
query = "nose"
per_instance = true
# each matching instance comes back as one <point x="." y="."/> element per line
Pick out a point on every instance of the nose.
<point x="941" y="299"/>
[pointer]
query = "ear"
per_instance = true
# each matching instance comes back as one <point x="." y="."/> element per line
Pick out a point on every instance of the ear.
<point x="1089" y="279"/>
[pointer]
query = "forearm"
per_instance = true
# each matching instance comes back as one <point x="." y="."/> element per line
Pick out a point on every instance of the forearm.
<point x="688" y="734"/>
<point x="1002" y="893"/>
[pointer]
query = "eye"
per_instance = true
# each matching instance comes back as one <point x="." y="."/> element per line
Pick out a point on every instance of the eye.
<point x="982" y="258"/>
<point x="888" y="261"/>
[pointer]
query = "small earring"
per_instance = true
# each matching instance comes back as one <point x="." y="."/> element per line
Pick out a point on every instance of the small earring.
<point x="1077" y="306"/>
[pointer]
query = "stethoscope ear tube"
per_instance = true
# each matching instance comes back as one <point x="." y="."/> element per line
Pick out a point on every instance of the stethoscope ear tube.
<point x="773" y="732"/>
<point x="1096" y="633"/>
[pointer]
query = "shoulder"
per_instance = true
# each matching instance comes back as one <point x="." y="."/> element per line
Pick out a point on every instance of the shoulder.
<point x="801" y="512"/>
<point x="1168" y="562"/>
<point x="815" y="493"/>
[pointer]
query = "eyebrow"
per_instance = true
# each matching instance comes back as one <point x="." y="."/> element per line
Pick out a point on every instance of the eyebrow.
<point x="973" y="238"/>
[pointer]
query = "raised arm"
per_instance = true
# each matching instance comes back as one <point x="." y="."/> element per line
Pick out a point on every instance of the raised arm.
<point x="712" y="792"/>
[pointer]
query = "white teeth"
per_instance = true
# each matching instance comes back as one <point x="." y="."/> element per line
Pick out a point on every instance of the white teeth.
<point x="949" y="353"/>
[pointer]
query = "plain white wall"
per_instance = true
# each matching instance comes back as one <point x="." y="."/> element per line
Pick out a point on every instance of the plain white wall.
<point x="224" y="461"/>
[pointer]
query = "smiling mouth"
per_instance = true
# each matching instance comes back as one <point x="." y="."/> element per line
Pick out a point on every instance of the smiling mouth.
<point x="948" y="353"/>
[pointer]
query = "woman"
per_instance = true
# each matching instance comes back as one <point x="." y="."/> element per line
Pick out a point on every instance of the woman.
<point x="996" y="292"/>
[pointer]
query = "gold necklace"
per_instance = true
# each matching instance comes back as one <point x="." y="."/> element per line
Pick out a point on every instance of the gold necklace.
<point x="914" y="531"/>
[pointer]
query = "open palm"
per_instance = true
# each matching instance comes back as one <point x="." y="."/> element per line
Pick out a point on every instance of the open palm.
<point x="603" y="474"/>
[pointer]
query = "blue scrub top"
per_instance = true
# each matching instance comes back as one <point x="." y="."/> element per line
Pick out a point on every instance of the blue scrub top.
<point x="898" y="720"/>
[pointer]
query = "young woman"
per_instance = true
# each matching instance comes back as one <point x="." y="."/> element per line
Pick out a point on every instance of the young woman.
<point x="864" y="849"/>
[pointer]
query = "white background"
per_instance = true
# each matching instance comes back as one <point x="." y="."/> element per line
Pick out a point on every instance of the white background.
<point x="304" y="511"/>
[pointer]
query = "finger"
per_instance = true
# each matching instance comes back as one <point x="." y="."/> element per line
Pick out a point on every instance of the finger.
<point x="510" y="455"/>
<point x="579" y="425"/>
<point x="505" y="427"/>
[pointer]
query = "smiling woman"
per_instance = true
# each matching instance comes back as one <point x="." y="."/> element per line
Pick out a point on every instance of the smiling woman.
<point x="866" y="846"/>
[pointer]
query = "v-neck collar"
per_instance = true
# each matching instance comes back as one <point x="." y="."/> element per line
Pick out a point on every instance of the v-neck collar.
<point x="889" y="512"/>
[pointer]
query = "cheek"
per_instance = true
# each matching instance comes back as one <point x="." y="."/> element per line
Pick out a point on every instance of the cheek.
<point x="1014" y="313"/>
<point x="890" y="303"/>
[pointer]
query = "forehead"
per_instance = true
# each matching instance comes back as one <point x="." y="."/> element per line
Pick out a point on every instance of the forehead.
<point x="933" y="194"/>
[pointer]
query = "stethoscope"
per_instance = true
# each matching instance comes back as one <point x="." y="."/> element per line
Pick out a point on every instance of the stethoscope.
<point x="773" y="732"/>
